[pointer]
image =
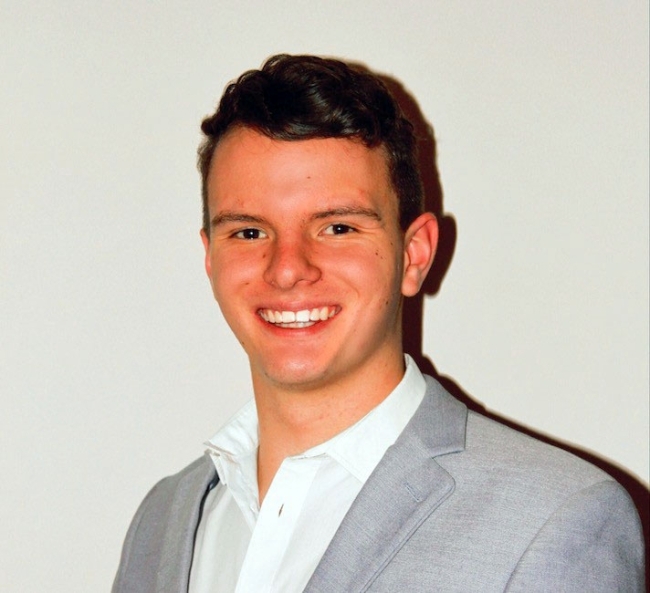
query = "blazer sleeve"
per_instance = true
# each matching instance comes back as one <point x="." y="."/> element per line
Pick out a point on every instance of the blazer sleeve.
<point x="594" y="542"/>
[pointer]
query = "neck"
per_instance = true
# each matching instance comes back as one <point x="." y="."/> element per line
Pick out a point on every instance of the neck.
<point x="294" y="420"/>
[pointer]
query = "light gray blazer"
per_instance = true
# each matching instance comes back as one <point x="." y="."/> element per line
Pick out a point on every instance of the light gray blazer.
<point x="459" y="503"/>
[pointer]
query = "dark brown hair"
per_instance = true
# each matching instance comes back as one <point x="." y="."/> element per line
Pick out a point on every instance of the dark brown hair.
<point x="305" y="97"/>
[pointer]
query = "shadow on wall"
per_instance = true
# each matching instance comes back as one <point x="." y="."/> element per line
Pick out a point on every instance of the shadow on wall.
<point x="413" y="312"/>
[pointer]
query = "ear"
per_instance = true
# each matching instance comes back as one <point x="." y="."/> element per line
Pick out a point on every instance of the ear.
<point x="206" y="262"/>
<point x="420" y="243"/>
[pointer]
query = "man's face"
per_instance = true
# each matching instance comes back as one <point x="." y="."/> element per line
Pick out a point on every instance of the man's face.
<point x="306" y="258"/>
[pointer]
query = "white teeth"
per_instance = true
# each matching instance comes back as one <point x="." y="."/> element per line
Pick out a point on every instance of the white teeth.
<point x="288" y="316"/>
<point x="302" y="318"/>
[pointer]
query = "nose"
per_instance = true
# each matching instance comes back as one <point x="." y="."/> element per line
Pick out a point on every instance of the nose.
<point x="291" y="262"/>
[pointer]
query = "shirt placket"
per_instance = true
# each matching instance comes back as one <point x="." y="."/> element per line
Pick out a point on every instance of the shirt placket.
<point x="276" y="523"/>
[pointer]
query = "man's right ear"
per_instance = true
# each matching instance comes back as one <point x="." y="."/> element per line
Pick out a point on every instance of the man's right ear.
<point x="206" y="261"/>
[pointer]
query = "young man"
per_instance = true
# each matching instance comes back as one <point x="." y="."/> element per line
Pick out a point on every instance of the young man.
<point x="350" y="470"/>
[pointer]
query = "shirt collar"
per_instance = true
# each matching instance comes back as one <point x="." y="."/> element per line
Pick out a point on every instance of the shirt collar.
<point x="359" y="448"/>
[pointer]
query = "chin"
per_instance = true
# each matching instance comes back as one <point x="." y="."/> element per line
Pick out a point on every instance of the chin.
<point x="295" y="375"/>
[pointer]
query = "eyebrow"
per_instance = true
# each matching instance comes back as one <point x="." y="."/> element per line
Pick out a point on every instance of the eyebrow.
<point x="226" y="217"/>
<point x="348" y="211"/>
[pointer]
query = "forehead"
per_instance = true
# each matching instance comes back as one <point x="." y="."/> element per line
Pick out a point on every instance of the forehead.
<point x="247" y="163"/>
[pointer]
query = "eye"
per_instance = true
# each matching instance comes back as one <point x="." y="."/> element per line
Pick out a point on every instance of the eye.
<point x="250" y="234"/>
<point x="338" y="229"/>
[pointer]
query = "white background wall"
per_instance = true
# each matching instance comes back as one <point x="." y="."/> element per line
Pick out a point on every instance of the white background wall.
<point x="115" y="363"/>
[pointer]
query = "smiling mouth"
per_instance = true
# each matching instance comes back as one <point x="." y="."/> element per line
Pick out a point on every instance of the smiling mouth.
<point x="298" y="319"/>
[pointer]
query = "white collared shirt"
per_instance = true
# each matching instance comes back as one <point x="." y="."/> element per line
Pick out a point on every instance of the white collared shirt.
<point x="243" y="548"/>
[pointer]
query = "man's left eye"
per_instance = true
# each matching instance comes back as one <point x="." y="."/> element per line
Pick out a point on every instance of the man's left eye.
<point x="338" y="229"/>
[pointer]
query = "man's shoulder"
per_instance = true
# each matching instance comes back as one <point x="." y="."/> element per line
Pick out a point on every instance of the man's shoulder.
<point x="160" y="537"/>
<point x="506" y="450"/>
<point x="180" y="489"/>
<point x="496" y="453"/>
<point x="508" y="470"/>
<point x="198" y="474"/>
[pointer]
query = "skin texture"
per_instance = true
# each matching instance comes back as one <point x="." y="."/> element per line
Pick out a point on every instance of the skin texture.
<point x="302" y="226"/>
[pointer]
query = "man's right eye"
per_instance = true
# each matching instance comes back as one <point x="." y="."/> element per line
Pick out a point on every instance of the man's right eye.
<point x="249" y="234"/>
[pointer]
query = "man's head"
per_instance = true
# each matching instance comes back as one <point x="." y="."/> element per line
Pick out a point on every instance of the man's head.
<point x="307" y="97"/>
<point x="313" y="230"/>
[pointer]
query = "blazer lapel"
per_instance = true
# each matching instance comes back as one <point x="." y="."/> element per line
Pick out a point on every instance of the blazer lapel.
<point x="405" y="488"/>
<point x="184" y="516"/>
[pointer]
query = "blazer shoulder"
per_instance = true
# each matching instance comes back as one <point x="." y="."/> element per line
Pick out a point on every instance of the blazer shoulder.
<point x="164" y="521"/>
<point x="481" y="447"/>
<point x="168" y="485"/>
<point x="195" y="478"/>
<point x="514" y="453"/>
<point x="520" y="481"/>
<point x="162" y="494"/>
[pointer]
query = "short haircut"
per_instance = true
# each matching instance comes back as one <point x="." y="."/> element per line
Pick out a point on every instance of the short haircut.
<point x="305" y="97"/>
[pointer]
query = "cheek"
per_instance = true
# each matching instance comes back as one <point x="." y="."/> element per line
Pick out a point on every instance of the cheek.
<point x="236" y="286"/>
<point x="376" y="276"/>
<point x="223" y="279"/>
<point x="230" y="270"/>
